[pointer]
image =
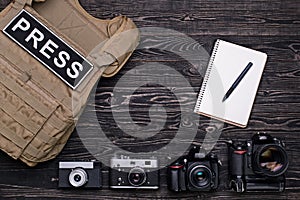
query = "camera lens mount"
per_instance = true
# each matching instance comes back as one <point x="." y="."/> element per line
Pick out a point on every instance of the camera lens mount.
<point x="200" y="176"/>
<point x="137" y="176"/>
<point x="270" y="160"/>
<point x="78" y="177"/>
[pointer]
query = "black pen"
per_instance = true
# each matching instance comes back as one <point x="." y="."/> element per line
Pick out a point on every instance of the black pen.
<point x="237" y="81"/>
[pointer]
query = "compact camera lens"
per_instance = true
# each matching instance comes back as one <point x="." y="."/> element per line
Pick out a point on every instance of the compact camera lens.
<point x="137" y="177"/>
<point x="271" y="160"/>
<point x="200" y="176"/>
<point x="78" y="177"/>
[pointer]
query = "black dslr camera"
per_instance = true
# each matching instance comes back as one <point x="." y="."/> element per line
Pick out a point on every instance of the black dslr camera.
<point x="258" y="164"/>
<point x="79" y="175"/>
<point x="194" y="172"/>
<point x="128" y="173"/>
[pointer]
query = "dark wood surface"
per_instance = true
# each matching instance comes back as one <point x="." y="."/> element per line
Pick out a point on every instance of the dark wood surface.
<point x="269" y="26"/>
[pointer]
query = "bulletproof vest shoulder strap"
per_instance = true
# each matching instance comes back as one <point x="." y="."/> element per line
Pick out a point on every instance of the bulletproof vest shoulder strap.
<point x="28" y="2"/>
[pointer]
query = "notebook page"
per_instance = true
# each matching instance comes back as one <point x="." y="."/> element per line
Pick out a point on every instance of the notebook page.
<point x="228" y="63"/>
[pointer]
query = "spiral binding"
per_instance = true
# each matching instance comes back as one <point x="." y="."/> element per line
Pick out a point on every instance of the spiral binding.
<point x="204" y="84"/>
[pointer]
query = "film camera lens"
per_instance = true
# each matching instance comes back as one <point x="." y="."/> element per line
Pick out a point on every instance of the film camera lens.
<point x="200" y="176"/>
<point x="271" y="160"/>
<point x="78" y="177"/>
<point x="137" y="177"/>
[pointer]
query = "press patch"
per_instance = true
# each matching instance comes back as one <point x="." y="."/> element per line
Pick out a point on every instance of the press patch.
<point x="52" y="51"/>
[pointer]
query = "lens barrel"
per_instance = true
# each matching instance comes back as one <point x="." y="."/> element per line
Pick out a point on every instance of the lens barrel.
<point x="270" y="160"/>
<point x="137" y="176"/>
<point x="200" y="176"/>
<point x="78" y="177"/>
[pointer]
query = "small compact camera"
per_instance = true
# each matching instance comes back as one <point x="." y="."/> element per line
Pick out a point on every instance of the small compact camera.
<point x="258" y="164"/>
<point x="80" y="175"/>
<point x="194" y="172"/>
<point x="134" y="173"/>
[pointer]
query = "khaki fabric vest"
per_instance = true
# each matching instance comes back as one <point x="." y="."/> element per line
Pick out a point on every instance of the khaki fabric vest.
<point x="38" y="111"/>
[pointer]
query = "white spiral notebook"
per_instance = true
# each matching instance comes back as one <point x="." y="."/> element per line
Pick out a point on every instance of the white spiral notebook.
<point x="226" y="64"/>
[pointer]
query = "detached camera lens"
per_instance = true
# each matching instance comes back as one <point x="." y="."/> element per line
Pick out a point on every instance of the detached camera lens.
<point x="271" y="160"/>
<point x="78" y="177"/>
<point x="137" y="177"/>
<point x="200" y="176"/>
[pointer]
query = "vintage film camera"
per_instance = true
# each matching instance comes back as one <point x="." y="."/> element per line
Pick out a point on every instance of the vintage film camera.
<point x="80" y="175"/>
<point x="134" y="173"/>
<point x="258" y="164"/>
<point x="194" y="172"/>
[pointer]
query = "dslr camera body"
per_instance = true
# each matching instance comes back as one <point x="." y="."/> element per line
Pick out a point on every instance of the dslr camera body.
<point x="194" y="172"/>
<point x="258" y="164"/>
<point x="127" y="173"/>
<point x="80" y="175"/>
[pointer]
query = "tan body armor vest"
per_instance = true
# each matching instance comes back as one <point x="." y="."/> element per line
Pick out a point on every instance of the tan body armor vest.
<point x="39" y="107"/>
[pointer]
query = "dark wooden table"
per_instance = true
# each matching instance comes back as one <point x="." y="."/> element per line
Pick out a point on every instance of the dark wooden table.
<point x="269" y="26"/>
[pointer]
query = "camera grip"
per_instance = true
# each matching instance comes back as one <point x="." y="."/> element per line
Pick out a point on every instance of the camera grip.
<point x="176" y="178"/>
<point x="173" y="179"/>
<point x="216" y="171"/>
<point x="236" y="165"/>
<point x="236" y="169"/>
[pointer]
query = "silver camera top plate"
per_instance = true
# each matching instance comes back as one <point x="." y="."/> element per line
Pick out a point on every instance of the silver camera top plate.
<point x="72" y="165"/>
<point x="130" y="163"/>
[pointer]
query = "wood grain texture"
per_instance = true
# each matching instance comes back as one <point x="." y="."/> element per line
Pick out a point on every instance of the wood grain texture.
<point x="269" y="26"/>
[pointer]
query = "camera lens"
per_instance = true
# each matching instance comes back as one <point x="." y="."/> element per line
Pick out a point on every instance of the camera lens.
<point x="78" y="177"/>
<point x="137" y="177"/>
<point x="271" y="160"/>
<point x="200" y="176"/>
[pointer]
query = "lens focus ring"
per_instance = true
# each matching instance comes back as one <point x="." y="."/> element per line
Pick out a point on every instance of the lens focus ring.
<point x="137" y="176"/>
<point x="78" y="177"/>
<point x="200" y="176"/>
<point x="270" y="160"/>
